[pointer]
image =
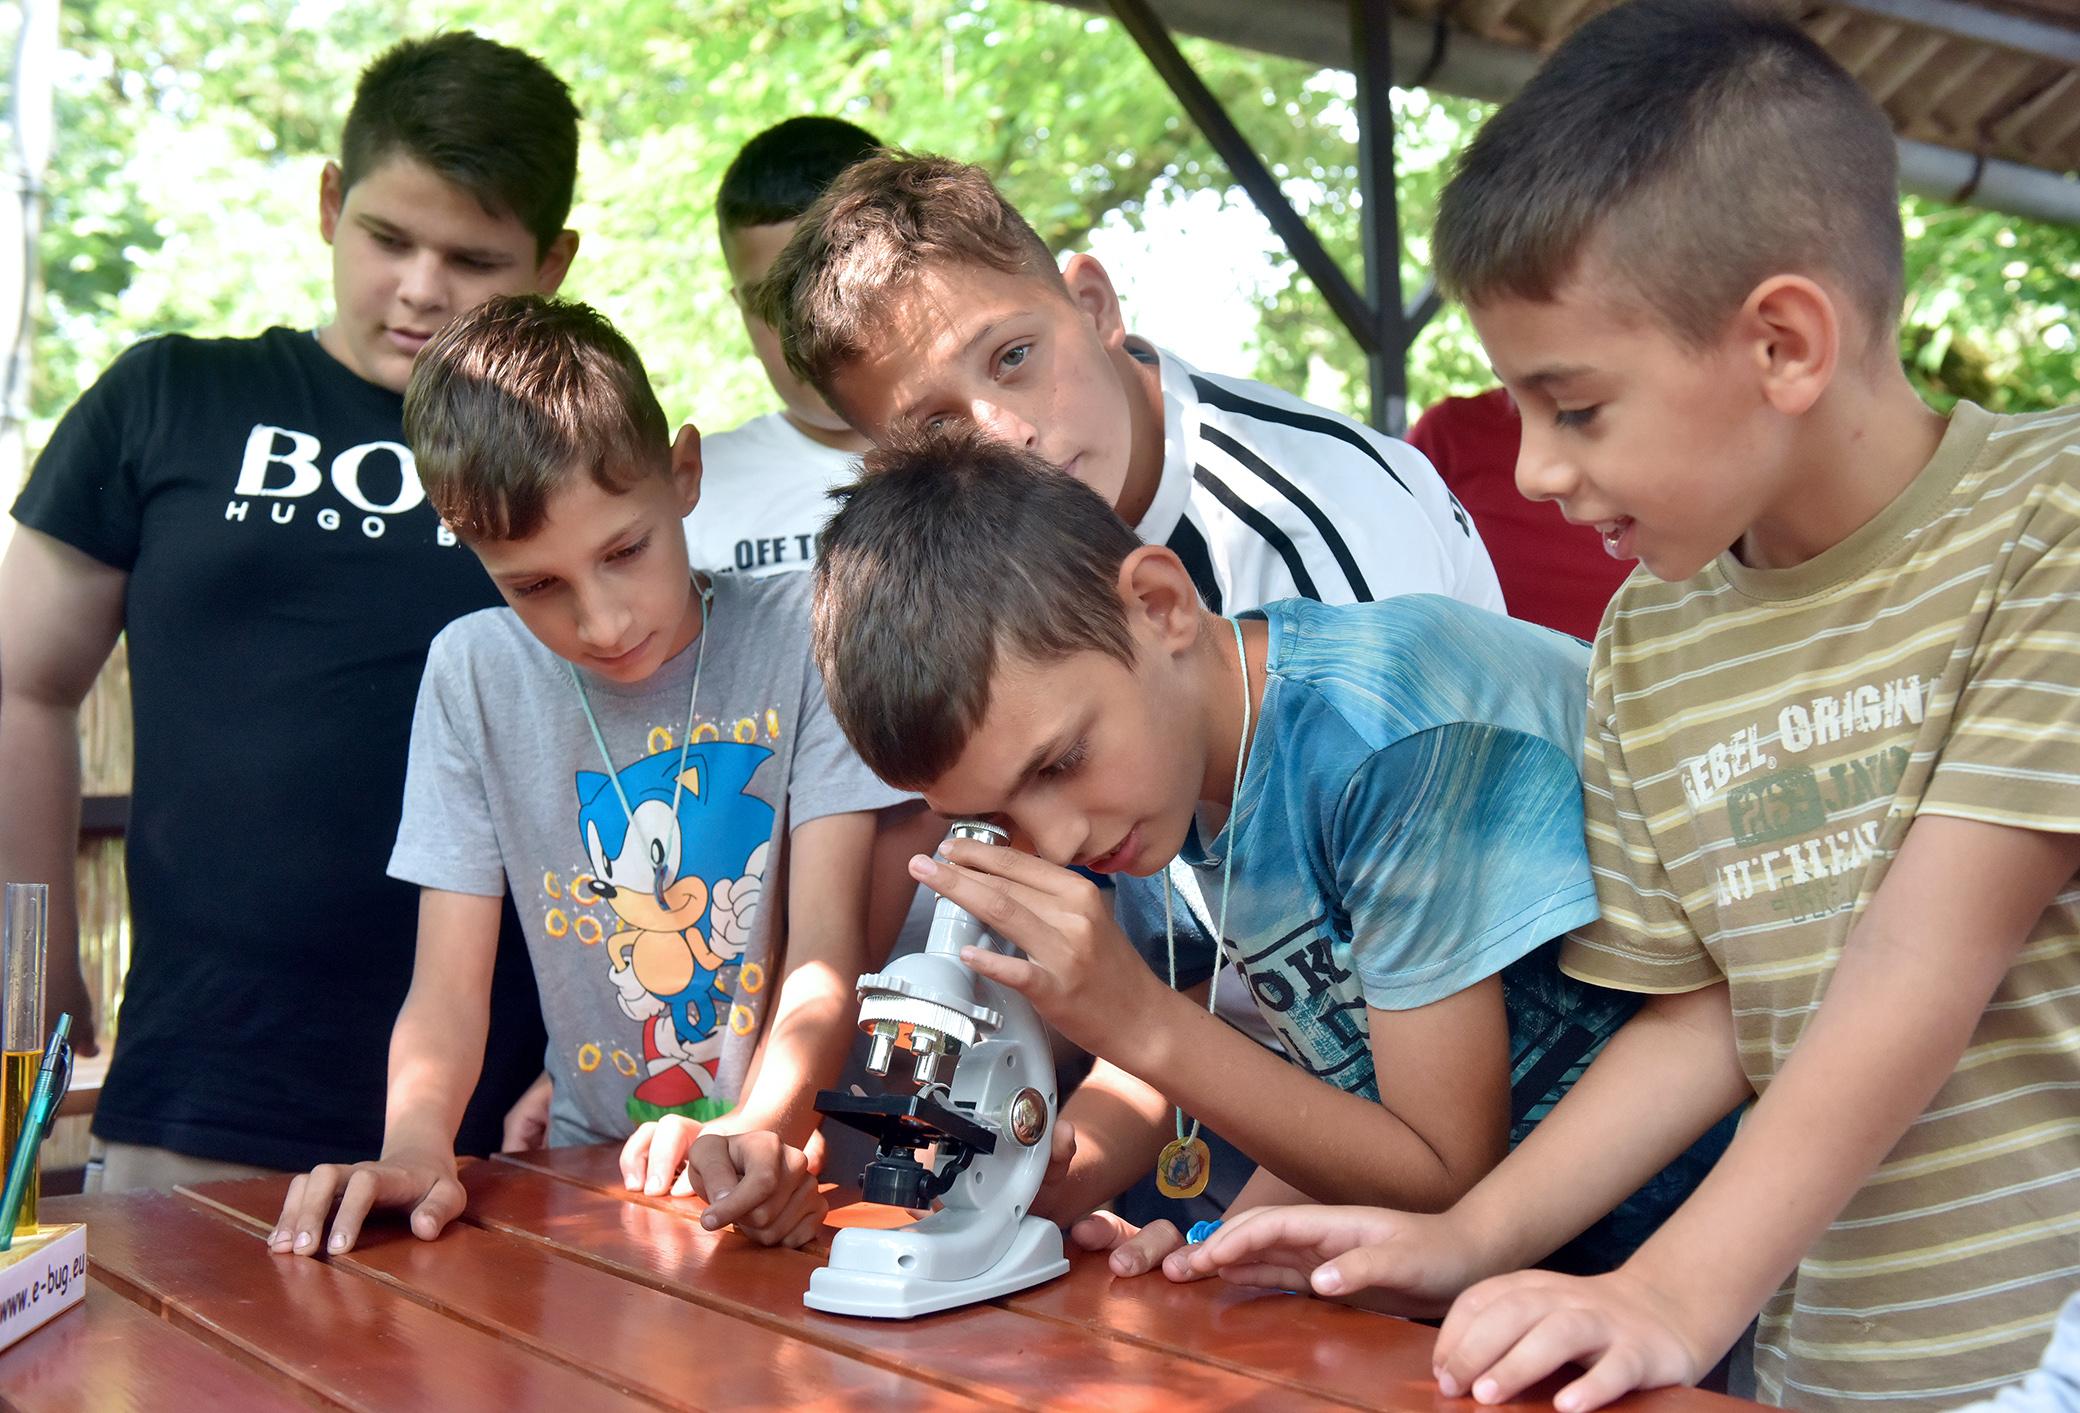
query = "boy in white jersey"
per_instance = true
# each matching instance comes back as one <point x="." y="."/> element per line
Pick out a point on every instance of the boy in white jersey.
<point x="912" y="294"/>
<point x="1830" y="776"/>
<point x="765" y="486"/>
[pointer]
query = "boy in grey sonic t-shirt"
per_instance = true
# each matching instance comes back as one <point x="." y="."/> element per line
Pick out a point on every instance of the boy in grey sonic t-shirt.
<point x="647" y="764"/>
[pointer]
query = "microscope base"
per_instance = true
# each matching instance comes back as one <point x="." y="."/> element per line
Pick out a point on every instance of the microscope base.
<point x="1035" y="1255"/>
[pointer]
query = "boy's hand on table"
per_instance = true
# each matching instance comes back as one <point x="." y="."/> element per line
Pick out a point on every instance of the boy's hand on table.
<point x="1507" y="1333"/>
<point x="1079" y="970"/>
<point x="754" y="1180"/>
<point x="422" y="1179"/>
<point x="1136" y="1250"/>
<point x="1415" y="1262"/>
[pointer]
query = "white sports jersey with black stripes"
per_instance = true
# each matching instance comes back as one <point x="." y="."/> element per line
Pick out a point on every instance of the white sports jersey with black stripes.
<point x="1266" y="497"/>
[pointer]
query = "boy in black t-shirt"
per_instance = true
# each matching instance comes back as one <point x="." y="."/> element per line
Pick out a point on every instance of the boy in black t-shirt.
<point x="247" y="512"/>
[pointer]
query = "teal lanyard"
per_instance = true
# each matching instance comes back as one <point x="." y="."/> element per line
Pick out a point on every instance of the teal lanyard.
<point x="1220" y="927"/>
<point x="660" y="868"/>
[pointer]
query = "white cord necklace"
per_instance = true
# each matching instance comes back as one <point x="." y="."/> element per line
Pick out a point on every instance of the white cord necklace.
<point x="661" y="868"/>
<point x="1185" y="1165"/>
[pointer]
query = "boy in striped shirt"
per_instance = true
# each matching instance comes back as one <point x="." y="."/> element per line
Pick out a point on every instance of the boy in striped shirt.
<point x="1831" y="783"/>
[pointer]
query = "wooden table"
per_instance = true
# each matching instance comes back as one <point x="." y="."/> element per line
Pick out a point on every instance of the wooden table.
<point x="560" y="1291"/>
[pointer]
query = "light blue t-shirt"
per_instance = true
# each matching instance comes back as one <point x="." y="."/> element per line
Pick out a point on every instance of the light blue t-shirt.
<point x="1410" y="824"/>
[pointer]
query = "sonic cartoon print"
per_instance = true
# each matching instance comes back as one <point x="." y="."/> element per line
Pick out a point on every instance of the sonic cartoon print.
<point x="684" y="890"/>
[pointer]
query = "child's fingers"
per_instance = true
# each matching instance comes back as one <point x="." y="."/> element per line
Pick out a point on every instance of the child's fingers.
<point x="1146" y="1249"/>
<point x="1177" y="1268"/>
<point x="1386" y="1264"/>
<point x="1013" y="866"/>
<point x="1246" y="1235"/>
<point x="668" y="1145"/>
<point x="1102" y="1231"/>
<point x="992" y="902"/>
<point x="355" y="1199"/>
<point x="442" y="1204"/>
<point x="805" y="1230"/>
<point x="1022" y="976"/>
<point x="735" y="1175"/>
<point x="791" y="1183"/>
<point x="1264" y="1275"/>
<point x="635" y="1156"/>
<point x="1544" y="1345"/>
<point x="711" y="1169"/>
<point x="777" y="1221"/>
<point x="1613" y="1376"/>
<point x="1484" y="1324"/>
<point x="284" y="1234"/>
<point x="313" y="1205"/>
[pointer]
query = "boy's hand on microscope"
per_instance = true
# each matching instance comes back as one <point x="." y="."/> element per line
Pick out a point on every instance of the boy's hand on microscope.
<point x="1079" y="970"/>
<point x="757" y="1182"/>
<point x="1408" y="1263"/>
<point x="421" y="1179"/>
<point x="1136" y="1250"/>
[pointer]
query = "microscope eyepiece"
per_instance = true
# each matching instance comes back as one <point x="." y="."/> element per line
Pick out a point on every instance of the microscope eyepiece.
<point x="980" y="830"/>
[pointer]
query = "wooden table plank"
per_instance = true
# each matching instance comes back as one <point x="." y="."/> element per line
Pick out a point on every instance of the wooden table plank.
<point x="636" y="1335"/>
<point x="984" y="1352"/>
<point x="112" y="1356"/>
<point x="339" y="1334"/>
<point x="1310" y="1344"/>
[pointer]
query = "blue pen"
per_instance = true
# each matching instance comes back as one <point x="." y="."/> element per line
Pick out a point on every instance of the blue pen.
<point x="43" y="1107"/>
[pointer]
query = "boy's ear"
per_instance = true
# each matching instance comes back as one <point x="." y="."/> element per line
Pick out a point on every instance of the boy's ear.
<point x="555" y="262"/>
<point x="1793" y="333"/>
<point x="686" y="468"/>
<point x="1090" y="290"/>
<point x="332" y="199"/>
<point x="1162" y="603"/>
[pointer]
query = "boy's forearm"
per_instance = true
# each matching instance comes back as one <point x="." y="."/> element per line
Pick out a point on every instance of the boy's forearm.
<point x="437" y="1045"/>
<point x="1334" y="1146"/>
<point x="1665" y="1077"/>
<point x="1913" y="981"/>
<point x="39" y="834"/>
<point x="1121" y="1125"/>
<point x="804" y="1049"/>
<point x="436" y="1058"/>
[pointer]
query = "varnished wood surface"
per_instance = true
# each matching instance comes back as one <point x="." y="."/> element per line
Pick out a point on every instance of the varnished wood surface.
<point x="560" y="1291"/>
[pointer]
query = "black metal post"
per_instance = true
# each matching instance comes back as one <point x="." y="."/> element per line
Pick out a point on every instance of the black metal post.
<point x="1250" y="173"/>
<point x="1372" y="65"/>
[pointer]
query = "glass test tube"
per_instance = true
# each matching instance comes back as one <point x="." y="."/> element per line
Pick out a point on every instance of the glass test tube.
<point x="24" y="935"/>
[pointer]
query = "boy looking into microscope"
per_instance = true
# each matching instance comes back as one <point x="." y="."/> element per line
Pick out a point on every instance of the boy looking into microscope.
<point x="1378" y="805"/>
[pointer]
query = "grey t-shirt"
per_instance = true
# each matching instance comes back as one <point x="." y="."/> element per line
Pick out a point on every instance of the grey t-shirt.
<point x="649" y="1010"/>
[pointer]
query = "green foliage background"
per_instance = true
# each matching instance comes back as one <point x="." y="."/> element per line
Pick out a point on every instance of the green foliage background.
<point x="184" y="188"/>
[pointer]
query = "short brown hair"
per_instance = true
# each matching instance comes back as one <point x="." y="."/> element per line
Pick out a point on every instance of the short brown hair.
<point x="950" y="550"/>
<point x="1697" y="147"/>
<point x="510" y="400"/>
<point x="487" y="117"/>
<point x="867" y="238"/>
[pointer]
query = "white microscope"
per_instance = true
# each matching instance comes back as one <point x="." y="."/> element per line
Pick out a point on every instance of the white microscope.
<point x="992" y="1127"/>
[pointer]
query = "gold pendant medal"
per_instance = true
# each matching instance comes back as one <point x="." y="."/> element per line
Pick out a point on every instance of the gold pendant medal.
<point x="1183" y="1168"/>
<point x="1185" y="1164"/>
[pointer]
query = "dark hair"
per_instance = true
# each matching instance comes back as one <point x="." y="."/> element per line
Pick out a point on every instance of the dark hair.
<point x="489" y="118"/>
<point x="869" y="236"/>
<point x="779" y="174"/>
<point x="1690" y="149"/>
<point x="511" y="399"/>
<point x="950" y="550"/>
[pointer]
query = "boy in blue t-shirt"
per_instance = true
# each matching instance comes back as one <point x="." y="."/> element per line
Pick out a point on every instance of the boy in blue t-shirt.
<point x="1381" y="802"/>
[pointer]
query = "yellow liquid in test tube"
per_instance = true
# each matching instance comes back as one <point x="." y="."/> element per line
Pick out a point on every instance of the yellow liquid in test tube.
<point x="17" y="1083"/>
